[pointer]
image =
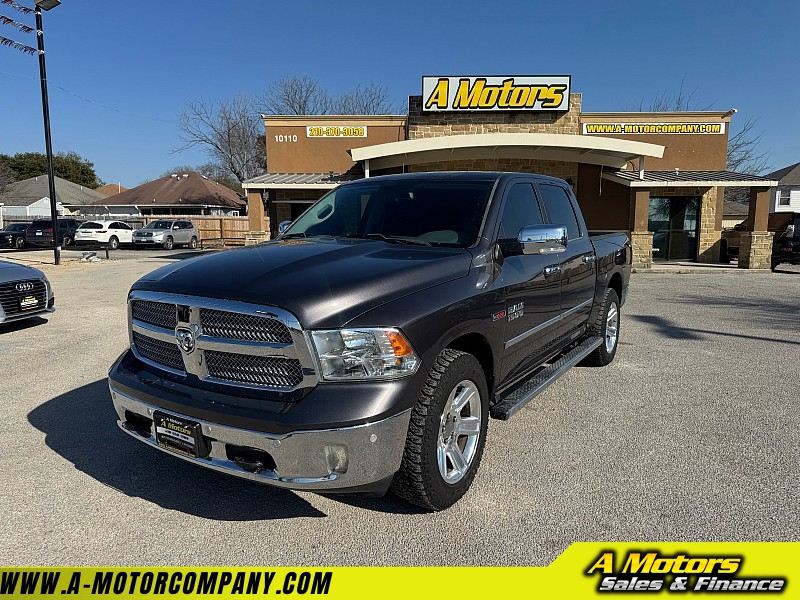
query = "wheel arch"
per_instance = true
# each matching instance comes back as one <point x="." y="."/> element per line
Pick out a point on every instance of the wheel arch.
<point x="478" y="346"/>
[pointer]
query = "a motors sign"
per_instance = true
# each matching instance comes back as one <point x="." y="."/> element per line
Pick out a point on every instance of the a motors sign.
<point x="497" y="93"/>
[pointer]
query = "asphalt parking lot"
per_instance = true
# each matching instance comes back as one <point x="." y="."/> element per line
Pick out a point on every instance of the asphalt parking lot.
<point x="691" y="434"/>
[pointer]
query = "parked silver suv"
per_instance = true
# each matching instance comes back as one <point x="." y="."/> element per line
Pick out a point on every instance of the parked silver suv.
<point x="167" y="233"/>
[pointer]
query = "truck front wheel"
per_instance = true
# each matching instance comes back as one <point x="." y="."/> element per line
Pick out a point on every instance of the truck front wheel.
<point x="446" y="434"/>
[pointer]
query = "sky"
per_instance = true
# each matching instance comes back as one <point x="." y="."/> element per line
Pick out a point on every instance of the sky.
<point x="120" y="72"/>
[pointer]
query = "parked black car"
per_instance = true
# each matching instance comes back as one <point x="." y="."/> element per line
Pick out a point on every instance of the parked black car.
<point x="40" y="232"/>
<point x="13" y="236"/>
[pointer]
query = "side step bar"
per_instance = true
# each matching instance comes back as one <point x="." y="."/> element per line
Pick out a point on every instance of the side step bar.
<point x="523" y="393"/>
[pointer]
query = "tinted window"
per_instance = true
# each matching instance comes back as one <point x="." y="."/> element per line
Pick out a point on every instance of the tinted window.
<point x="121" y="226"/>
<point x="559" y="208"/>
<point x="41" y="224"/>
<point x="521" y="209"/>
<point x="435" y="212"/>
<point x="160" y="225"/>
<point x="17" y="227"/>
<point x="91" y="225"/>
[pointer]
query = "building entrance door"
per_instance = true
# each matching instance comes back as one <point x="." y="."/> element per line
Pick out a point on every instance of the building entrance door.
<point x="674" y="222"/>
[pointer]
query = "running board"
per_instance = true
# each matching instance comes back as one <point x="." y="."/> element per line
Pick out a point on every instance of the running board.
<point x="523" y="393"/>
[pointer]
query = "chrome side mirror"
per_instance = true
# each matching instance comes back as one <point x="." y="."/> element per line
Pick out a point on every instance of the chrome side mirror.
<point x="283" y="226"/>
<point x="543" y="239"/>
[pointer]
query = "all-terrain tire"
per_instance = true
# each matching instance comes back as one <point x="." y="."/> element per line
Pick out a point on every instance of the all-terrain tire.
<point x="444" y="443"/>
<point x="607" y="327"/>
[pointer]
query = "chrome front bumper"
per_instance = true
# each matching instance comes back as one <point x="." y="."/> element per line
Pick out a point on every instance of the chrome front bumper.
<point x="319" y="460"/>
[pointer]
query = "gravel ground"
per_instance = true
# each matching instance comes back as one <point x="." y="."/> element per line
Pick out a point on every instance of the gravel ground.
<point x="691" y="434"/>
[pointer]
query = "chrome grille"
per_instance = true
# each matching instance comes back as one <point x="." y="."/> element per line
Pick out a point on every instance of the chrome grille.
<point x="268" y="371"/>
<point x="226" y="342"/>
<point x="10" y="297"/>
<point x="158" y="351"/>
<point x="156" y="313"/>
<point x="237" y="326"/>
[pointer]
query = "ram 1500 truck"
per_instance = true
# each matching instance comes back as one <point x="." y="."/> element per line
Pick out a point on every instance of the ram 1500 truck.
<point x="366" y="347"/>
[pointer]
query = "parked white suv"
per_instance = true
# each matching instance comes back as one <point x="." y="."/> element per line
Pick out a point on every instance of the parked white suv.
<point x="167" y="233"/>
<point x="104" y="233"/>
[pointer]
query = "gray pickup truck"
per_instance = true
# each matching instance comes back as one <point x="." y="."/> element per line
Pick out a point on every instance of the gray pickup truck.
<point x="365" y="348"/>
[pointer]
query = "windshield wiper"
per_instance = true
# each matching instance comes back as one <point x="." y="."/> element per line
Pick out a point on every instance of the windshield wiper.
<point x="390" y="238"/>
<point x="289" y="236"/>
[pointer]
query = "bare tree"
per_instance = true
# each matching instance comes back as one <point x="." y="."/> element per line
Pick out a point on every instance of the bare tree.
<point x="230" y="132"/>
<point x="296" y="96"/>
<point x="370" y="99"/>
<point x="306" y="96"/>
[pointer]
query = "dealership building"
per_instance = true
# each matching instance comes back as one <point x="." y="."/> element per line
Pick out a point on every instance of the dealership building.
<point x="659" y="176"/>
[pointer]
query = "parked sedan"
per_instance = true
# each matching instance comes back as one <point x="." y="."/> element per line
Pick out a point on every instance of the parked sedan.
<point x="167" y="233"/>
<point x="24" y="292"/>
<point x="104" y="233"/>
<point x="13" y="236"/>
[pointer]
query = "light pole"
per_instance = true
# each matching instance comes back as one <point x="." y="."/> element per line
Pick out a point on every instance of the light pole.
<point x="47" y="5"/>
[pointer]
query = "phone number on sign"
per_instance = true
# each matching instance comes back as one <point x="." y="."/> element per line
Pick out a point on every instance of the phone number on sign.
<point x="336" y="131"/>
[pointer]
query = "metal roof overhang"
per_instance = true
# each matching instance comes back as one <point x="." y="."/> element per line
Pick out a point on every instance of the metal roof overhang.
<point x="610" y="152"/>
<point x="688" y="179"/>
<point x="292" y="181"/>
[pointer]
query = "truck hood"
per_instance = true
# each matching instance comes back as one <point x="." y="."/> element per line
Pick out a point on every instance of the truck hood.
<point x="324" y="283"/>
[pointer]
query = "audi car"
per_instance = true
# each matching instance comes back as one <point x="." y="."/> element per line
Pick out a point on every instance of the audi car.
<point x="24" y="292"/>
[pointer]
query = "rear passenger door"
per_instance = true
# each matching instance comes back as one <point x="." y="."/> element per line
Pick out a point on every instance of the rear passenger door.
<point x="123" y="232"/>
<point x="578" y="263"/>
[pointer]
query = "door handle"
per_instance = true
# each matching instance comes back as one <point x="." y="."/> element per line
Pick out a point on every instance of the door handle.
<point x="552" y="270"/>
<point x="589" y="258"/>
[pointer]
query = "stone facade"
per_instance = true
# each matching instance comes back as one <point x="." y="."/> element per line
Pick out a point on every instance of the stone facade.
<point x="436" y="124"/>
<point x="755" y="250"/>
<point x="642" y="245"/>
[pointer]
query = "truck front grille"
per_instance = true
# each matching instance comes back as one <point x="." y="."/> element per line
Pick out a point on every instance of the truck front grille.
<point x="155" y="313"/>
<point x="222" y="342"/>
<point x="157" y="351"/>
<point x="268" y="371"/>
<point x="11" y="298"/>
<point x="236" y="326"/>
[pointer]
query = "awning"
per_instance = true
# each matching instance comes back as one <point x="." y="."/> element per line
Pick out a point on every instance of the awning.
<point x="678" y="178"/>
<point x="295" y="181"/>
<point x="610" y="152"/>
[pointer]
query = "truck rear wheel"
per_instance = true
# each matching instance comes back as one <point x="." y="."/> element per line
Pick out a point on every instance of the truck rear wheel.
<point x="446" y="434"/>
<point x="607" y="327"/>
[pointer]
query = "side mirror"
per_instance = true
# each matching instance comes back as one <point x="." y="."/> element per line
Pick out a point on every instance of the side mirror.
<point x="543" y="239"/>
<point x="283" y="226"/>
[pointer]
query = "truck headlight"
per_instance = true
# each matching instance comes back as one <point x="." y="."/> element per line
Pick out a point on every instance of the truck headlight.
<point x="382" y="353"/>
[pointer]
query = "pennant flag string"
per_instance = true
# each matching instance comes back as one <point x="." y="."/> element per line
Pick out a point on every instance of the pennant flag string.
<point x="21" y="26"/>
<point x="19" y="7"/>
<point x="21" y="47"/>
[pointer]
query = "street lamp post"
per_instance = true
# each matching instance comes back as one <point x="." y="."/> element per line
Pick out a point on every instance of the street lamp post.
<point x="47" y="5"/>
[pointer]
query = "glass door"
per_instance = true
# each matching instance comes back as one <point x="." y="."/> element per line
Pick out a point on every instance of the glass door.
<point x="674" y="221"/>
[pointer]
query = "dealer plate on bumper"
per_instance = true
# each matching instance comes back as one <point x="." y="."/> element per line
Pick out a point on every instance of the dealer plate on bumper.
<point x="180" y="435"/>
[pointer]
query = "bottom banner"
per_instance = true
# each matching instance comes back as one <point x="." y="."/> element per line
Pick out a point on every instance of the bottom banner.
<point x="584" y="570"/>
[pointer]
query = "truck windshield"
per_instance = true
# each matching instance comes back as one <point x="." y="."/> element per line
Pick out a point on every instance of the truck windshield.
<point x="435" y="213"/>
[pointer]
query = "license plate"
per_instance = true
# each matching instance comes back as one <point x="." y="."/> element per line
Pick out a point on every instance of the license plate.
<point x="38" y="233"/>
<point x="28" y="302"/>
<point x="179" y="435"/>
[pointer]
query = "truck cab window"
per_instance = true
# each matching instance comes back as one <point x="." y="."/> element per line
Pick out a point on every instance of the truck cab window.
<point x="521" y="209"/>
<point x="559" y="209"/>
